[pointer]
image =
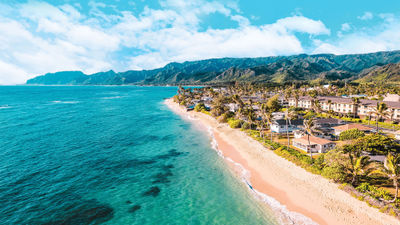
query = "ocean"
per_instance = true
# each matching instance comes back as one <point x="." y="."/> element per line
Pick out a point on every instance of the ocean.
<point x="112" y="155"/>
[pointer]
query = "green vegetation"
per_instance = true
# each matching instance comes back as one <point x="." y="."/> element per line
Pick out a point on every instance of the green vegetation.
<point x="377" y="193"/>
<point x="234" y="123"/>
<point x="351" y="134"/>
<point x="200" y="107"/>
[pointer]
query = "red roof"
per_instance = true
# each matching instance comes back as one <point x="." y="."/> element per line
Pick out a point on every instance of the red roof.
<point x="352" y="126"/>
<point x="313" y="140"/>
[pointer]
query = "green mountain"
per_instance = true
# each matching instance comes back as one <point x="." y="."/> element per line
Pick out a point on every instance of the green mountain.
<point x="385" y="73"/>
<point x="277" y="69"/>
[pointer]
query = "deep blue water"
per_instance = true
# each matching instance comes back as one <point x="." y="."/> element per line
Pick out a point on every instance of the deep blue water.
<point x="112" y="155"/>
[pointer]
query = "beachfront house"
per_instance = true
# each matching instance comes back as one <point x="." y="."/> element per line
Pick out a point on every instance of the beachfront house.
<point x="316" y="144"/>
<point x="279" y="126"/>
<point x="340" y="129"/>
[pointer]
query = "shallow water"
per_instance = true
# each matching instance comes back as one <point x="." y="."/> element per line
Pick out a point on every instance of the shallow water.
<point x="112" y="155"/>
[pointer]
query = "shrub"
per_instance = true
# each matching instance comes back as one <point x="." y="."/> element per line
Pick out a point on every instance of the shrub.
<point x="309" y="114"/>
<point x="364" y="187"/>
<point x="384" y="209"/>
<point x="336" y="173"/>
<point x="225" y="117"/>
<point x="373" y="191"/>
<point x="200" y="107"/>
<point x="246" y="125"/>
<point x="233" y="123"/>
<point x="319" y="162"/>
<point x="351" y="134"/>
<point x="343" y="186"/>
<point x="392" y="212"/>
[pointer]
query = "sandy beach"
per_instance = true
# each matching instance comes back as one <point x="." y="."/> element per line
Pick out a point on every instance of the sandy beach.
<point x="301" y="192"/>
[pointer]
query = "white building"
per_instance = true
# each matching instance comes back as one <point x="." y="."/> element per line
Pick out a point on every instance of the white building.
<point x="279" y="126"/>
<point x="347" y="106"/>
<point x="316" y="144"/>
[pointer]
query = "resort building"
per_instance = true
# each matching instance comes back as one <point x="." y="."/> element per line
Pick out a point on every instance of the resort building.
<point x="279" y="126"/>
<point x="316" y="144"/>
<point x="364" y="108"/>
<point x="340" y="129"/>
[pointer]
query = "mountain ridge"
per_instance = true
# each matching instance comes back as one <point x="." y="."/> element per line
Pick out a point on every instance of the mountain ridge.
<point x="300" y="67"/>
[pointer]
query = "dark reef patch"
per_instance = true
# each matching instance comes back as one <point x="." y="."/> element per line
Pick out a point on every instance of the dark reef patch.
<point x="169" y="166"/>
<point x="87" y="212"/>
<point x="167" y="137"/>
<point x="151" y="138"/>
<point x="162" y="177"/>
<point x="170" y="154"/>
<point x="153" y="191"/>
<point x="134" y="208"/>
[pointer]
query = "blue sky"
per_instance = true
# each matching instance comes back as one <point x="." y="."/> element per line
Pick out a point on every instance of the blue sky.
<point x="37" y="37"/>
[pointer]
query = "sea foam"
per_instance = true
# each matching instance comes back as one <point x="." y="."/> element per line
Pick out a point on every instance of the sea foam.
<point x="5" y="107"/>
<point x="112" y="97"/>
<point x="64" y="102"/>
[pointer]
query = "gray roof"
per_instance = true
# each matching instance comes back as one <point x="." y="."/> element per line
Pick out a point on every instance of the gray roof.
<point x="293" y="122"/>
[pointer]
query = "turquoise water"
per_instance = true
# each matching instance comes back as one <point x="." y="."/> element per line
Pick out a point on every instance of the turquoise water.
<point x="111" y="155"/>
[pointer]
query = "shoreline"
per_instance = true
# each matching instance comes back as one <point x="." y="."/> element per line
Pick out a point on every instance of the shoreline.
<point x="305" y="198"/>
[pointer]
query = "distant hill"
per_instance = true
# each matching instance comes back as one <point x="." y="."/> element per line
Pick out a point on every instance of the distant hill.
<point x="277" y="69"/>
<point x="386" y="73"/>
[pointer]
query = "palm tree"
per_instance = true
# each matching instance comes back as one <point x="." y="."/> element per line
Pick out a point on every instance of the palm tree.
<point x="330" y="113"/>
<point x="370" y="116"/>
<point x="392" y="169"/>
<point x="251" y="116"/>
<point x="237" y="100"/>
<point x="309" y="128"/>
<point x="380" y="112"/>
<point x="390" y="116"/>
<point x="316" y="106"/>
<point x="261" y="125"/>
<point x="296" y="98"/>
<point x="329" y="104"/>
<point x="359" y="166"/>
<point x="356" y="102"/>
<point x="313" y="95"/>
<point x="267" y="117"/>
<point x="289" y="115"/>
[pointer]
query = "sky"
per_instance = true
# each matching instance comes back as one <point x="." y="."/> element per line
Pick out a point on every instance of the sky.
<point x="37" y="37"/>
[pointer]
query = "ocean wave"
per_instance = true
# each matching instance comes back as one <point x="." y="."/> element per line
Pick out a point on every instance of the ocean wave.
<point x="64" y="102"/>
<point x="5" y="107"/>
<point x="112" y="97"/>
<point x="284" y="215"/>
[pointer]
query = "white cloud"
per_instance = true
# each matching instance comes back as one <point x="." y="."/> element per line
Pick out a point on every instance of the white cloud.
<point x="302" y="24"/>
<point x="366" y="16"/>
<point x="346" y="27"/>
<point x="383" y="37"/>
<point x="41" y="37"/>
<point x="11" y="74"/>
